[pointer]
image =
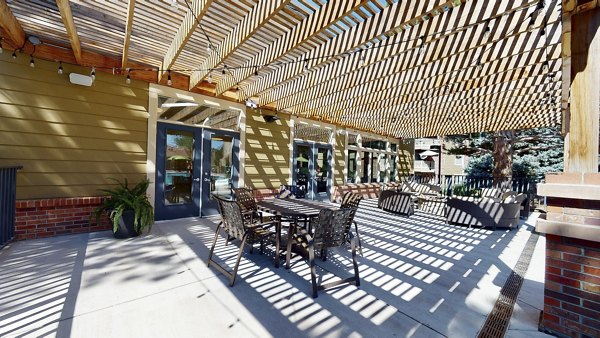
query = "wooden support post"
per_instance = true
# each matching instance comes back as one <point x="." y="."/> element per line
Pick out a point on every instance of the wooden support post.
<point x="582" y="137"/>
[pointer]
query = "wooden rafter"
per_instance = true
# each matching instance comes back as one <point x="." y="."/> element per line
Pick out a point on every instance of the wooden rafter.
<point x="11" y="26"/>
<point x="384" y="23"/>
<point x="385" y="91"/>
<point x="403" y="57"/>
<point x="67" y="17"/>
<point x="184" y="33"/>
<point x="253" y="21"/>
<point x="128" y="27"/>
<point x="302" y="32"/>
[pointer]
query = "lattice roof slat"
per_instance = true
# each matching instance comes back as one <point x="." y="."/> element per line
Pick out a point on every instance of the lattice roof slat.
<point x="461" y="80"/>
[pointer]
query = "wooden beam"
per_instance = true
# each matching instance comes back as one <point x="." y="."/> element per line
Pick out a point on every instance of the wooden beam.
<point x="253" y="21"/>
<point x="384" y="23"/>
<point x="305" y="30"/>
<point x="128" y="26"/>
<point x="11" y="26"/>
<point x="67" y="17"/>
<point x="444" y="53"/>
<point x="581" y="150"/>
<point x="184" y="33"/>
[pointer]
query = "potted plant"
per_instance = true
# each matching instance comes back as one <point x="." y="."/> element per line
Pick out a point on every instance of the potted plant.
<point x="128" y="209"/>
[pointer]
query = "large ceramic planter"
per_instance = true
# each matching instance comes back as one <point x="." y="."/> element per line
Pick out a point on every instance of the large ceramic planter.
<point x="126" y="229"/>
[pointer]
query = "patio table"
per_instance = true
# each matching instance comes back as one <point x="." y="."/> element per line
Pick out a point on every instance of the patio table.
<point x="293" y="210"/>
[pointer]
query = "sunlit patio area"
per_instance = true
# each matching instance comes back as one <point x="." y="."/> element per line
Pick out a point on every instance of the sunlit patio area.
<point x="419" y="277"/>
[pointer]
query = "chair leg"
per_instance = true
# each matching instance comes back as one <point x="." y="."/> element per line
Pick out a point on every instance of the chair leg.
<point x="237" y="262"/>
<point x="212" y="249"/>
<point x="313" y="270"/>
<point x="288" y="253"/>
<point x="356" y="277"/>
<point x="277" y="235"/>
<point x="227" y="240"/>
<point x="358" y="237"/>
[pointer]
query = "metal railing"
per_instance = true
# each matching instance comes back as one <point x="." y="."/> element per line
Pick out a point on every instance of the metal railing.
<point x="8" y="196"/>
<point x="450" y="183"/>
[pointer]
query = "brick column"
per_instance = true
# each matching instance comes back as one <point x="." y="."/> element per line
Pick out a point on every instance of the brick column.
<point x="572" y="277"/>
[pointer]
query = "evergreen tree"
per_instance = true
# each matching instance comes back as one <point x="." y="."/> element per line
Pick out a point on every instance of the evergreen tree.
<point x="533" y="152"/>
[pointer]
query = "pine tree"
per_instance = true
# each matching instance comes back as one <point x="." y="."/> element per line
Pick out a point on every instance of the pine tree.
<point x="529" y="152"/>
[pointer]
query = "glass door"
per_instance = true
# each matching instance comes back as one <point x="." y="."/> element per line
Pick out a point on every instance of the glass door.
<point x="192" y="164"/>
<point x="312" y="169"/>
<point x="177" y="171"/>
<point x="220" y="163"/>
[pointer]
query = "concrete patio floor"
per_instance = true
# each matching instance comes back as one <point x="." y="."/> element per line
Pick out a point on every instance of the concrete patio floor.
<point x="419" y="278"/>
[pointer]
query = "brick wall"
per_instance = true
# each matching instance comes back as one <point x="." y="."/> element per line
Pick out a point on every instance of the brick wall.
<point x="572" y="280"/>
<point x="57" y="216"/>
<point x="572" y="287"/>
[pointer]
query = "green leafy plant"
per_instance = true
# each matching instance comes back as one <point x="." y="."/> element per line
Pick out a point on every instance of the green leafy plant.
<point x="123" y="198"/>
<point x="463" y="190"/>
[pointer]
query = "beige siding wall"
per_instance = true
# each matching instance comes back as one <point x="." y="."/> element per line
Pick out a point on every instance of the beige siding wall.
<point x="406" y="158"/>
<point x="339" y="159"/>
<point x="69" y="138"/>
<point x="267" y="151"/>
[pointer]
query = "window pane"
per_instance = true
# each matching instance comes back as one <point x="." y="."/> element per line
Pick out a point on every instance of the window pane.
<point x="178" y="175"/>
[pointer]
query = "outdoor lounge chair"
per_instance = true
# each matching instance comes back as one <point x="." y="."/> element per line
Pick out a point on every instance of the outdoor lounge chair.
<point x="330" y="231"/>
<point x="351" y="201"/>
<point x="397" y="202"/>
<point x="484" y="212"/>
<point x="237" y="226"/>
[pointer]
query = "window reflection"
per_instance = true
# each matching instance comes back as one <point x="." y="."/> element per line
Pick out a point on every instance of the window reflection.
<point x="178" y="175"/>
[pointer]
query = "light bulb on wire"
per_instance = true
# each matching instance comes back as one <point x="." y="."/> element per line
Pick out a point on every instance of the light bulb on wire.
<point x="169" y="80"/>
<point x="209" y="78"/>
<point x="128" y="79"/>
<point x="14" y="54"/>
<point x="93" y="74"/>
<point x="60" y="68"/>
<point x="31" y="62"/>
<point x="487" y="32"/>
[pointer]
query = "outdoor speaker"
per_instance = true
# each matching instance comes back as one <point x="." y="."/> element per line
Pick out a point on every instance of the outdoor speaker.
<point x="270" y="118"/>
<point x="79" y="79"/>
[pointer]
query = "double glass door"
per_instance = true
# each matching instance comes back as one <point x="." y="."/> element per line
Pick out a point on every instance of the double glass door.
<point x="192" y="164"/>
<point x="312" y="169"/>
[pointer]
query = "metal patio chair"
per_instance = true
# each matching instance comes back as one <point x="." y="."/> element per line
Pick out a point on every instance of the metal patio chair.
<point x="237" y="226"/>
<point x="351" y="200"/>
<point x="331" y="230"/>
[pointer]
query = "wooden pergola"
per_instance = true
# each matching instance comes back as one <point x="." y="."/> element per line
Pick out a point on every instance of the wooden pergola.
<point x="397" y="68"/>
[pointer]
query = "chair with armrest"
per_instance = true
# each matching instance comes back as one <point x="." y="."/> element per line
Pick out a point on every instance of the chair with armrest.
<point x="330" y="231"/>
<point x="245" y="197"/>
<point x="236" y="226"/>
<point x="351" y="201"/>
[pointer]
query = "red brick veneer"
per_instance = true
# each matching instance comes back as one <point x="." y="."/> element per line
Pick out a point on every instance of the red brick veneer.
<point x="572" y="287"/>
<point x="57" y="216"/>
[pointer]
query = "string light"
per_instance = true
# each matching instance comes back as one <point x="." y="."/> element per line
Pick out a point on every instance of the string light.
<point x="422" y="46"/>
<point x="486" y="32"/>
<point x="256" y="71"/>
<point x="479" y="65"/>
<point x="128" y="79"/>
<point x="14" y="54"/>
<point x="169" y="80"/>
<point x="209" y="79"/>
<point x="531" y="24"/>
<point x="546" y="66"/>
<point x="60" y="68"/>
<point x="31" y="62"/>
<point x="93" y="74"/>
<point x="223" y="71"/>
<point x="1" y="49"/>
<point x="305" y="65"/>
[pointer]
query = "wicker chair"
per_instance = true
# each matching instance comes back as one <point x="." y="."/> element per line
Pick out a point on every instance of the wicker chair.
<point x="237" y="226"/>
<point x="351" y="200"/>
<point x="330" y="230"/>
